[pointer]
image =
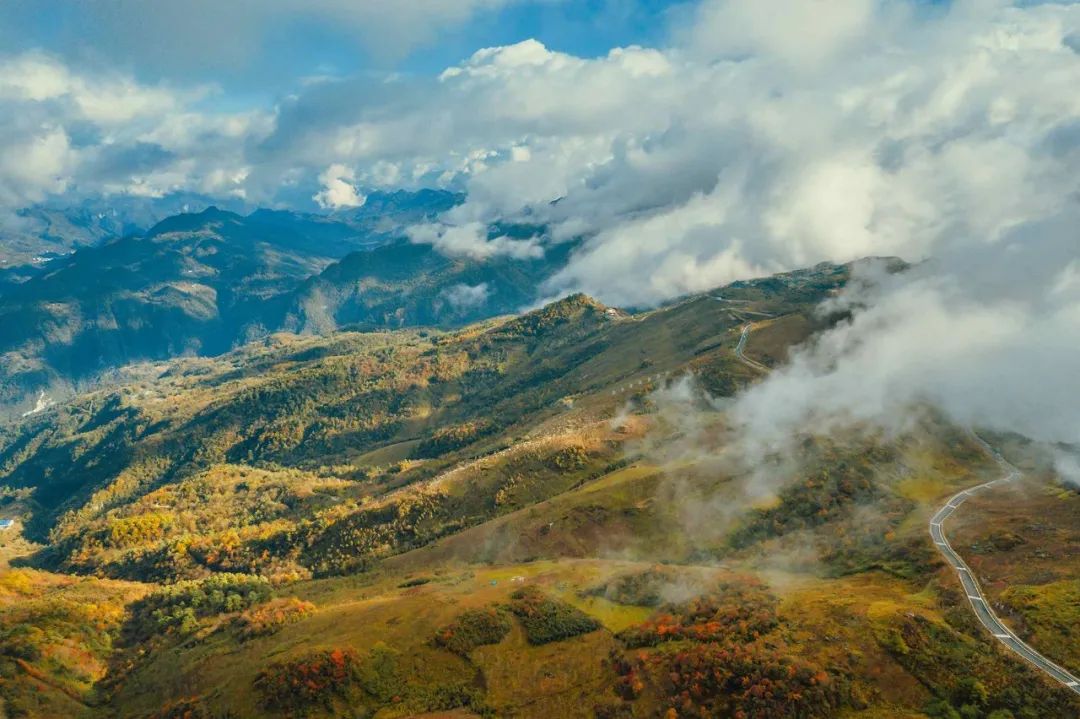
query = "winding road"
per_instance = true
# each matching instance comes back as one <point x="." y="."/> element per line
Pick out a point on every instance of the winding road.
<point x="741" y="346"/>
<point x="976" y="598"/>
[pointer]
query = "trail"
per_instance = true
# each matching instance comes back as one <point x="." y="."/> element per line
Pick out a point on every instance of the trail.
<point x="976" y="598"/>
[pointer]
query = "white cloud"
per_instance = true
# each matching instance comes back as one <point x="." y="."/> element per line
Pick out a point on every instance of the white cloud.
<point x="104" y="133"/>
<point x="471" y="240"/>
<point x="338" y="190"/>
<point x="465" y="298"/>
<point x="797" y="32"/>
<point x="37" y="165"/>
<point x="1003" y="361"/>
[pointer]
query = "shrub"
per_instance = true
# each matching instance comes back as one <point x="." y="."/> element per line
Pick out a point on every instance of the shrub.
<point x="750" y="681"/>
<point x="311" y="681"/>
<point x="641" y="589"/>
<point x="417" y="582"/>
<point x="446" y="697"/>
<point x="140" y="529"/>
<point x="268" y="618"/>
<point x="448" y="439"/>
<point x="548" y="620"/>
<point x="568" y="459"/>
<point x="380" y="674"/>
<point x="741" y="610"/>
<point x="825" y="494"/>
<point x="474" y="628"/>
<point x="186" y="708"/>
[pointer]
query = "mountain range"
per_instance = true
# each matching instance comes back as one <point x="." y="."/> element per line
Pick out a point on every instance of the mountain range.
<point x="202" y="283"/>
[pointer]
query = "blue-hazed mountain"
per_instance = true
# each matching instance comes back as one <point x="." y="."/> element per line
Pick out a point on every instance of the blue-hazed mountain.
<point x="35" y="236"/>
<point x="32" y="237"/>
<point x="202" y="283"/>
<point x="403" y="284"/>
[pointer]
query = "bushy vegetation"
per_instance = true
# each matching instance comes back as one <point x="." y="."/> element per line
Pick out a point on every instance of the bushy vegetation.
<point x="179" y="607"/>
<point x="546" y="619"/>
<point x="449" y="439"/>
<point x="140" y="529"/>
<point x="731" y="679"/>
<point x="840" y="482"/>
<point x="57" y="636"/>
<point x="544" y="321"/>
<point x="966" y="678"/>
<point x="715" y="655"/>
<point x="643" y="589"/>
<point x="340" y="680"/>
<point x="312" y="681"/>
<point x="739" y="610"/>
<point x="184" y="708"/>
<point x="265" y="619"/>
<point x="474" y="628"/>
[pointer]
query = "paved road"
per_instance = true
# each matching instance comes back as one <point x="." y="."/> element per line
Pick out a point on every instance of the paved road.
<point x="974" y="592"/>
<point x="742" y="346"/>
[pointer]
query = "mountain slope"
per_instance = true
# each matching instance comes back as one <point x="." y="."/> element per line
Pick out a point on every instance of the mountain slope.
<point x="192" y="284"/>
<point x="407" y="285"/>
<point x="204" y="282"/>
<point x="310" y="403"/>
<point x="532" y="516"/>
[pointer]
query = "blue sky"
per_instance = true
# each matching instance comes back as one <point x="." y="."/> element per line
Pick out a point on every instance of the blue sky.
<point x="265" y="52"/>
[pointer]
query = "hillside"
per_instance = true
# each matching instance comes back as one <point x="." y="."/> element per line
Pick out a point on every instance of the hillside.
<point x="203" y="283"/>
<point x="189" y="285"/>
<point x="530" y="516"/>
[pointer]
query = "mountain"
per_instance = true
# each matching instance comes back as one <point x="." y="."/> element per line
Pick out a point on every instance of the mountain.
<point x="201" y="283"/>
<point x="408" y="285"/>
<point x="529" y="516"/>
<point x="34" y="236"/>
<point x="193" y="283"/>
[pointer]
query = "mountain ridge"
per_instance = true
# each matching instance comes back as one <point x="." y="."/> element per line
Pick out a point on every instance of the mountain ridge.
<point x="209" y="280"/>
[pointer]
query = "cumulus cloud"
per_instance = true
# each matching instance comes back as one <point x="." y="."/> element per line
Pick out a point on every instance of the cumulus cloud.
<point x="465" y="298"/>
<point x="35" y="166"/>
<point x="798" y="32"/>
<point x="72" y="134"/>
<point x="338" y="190"/>
<point x="471" y="240"/>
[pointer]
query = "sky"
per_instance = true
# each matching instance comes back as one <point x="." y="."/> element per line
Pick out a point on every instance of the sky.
<point x="686" y="145"/>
